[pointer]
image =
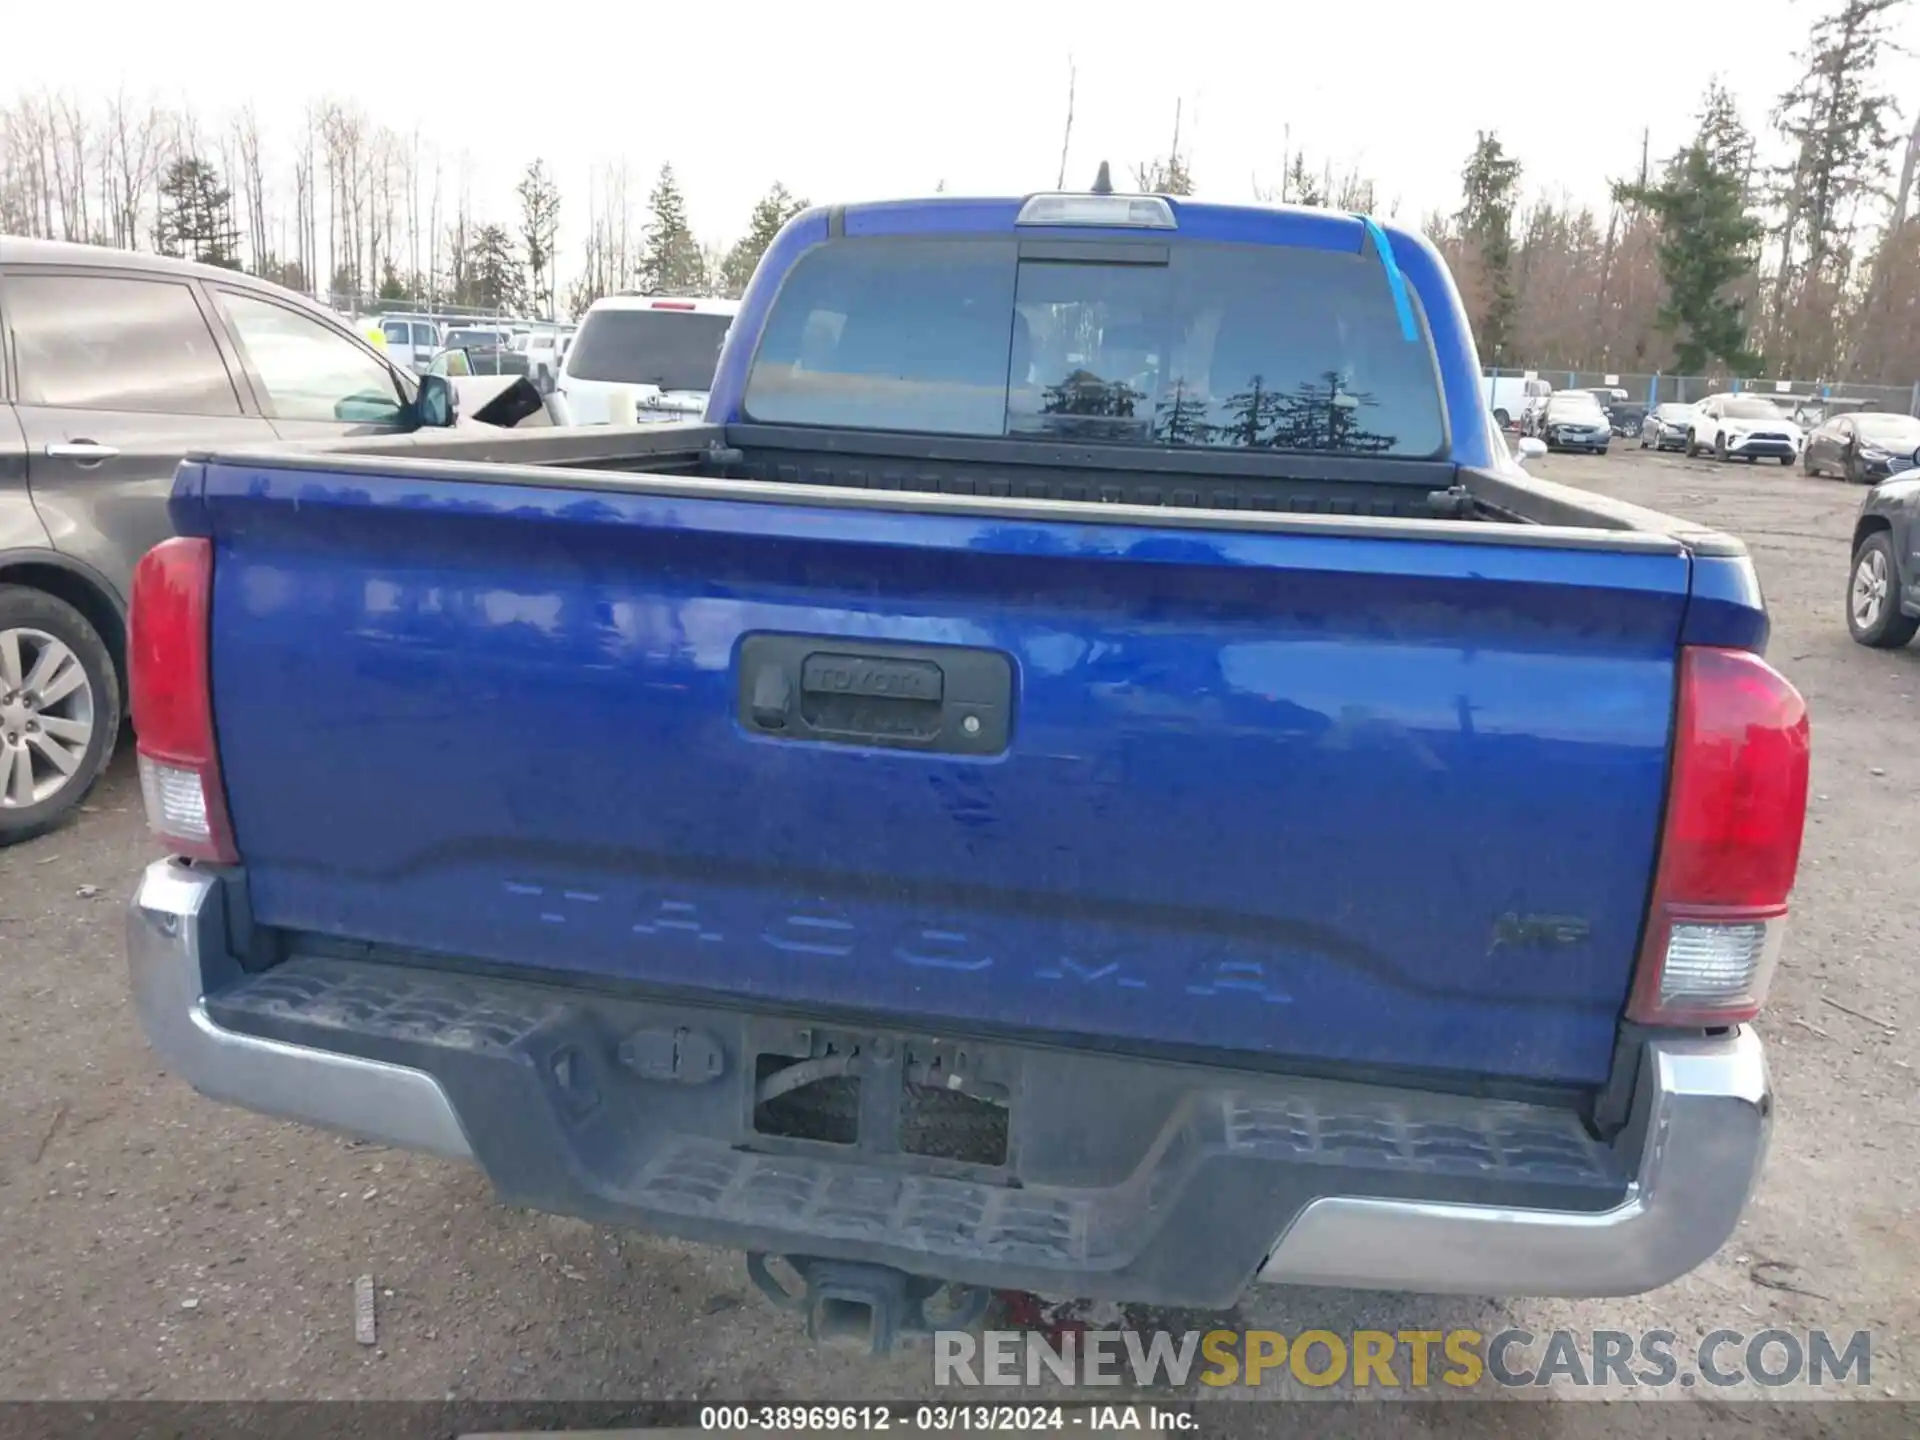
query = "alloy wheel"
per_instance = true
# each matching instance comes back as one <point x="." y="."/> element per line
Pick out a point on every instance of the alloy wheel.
<point x="1870" y="588"/>
<point x="46" y="717"/>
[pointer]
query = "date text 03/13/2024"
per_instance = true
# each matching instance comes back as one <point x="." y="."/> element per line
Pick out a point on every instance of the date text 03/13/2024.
<point x="942" y="1418"/>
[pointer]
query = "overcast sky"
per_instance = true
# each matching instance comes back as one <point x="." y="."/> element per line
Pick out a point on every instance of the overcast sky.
<point x="848" y="100"/>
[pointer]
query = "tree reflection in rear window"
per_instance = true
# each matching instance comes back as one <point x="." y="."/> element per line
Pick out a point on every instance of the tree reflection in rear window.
<point x="1221" y="346"/>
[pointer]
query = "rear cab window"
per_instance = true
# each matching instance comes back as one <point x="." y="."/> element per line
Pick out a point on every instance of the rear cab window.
<point x="1212" y="345"/>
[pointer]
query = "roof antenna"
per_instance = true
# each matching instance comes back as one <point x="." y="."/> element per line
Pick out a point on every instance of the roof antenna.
<point x="1103" y="182"/>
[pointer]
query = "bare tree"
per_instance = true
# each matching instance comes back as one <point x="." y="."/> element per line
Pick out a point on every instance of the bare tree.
<point x="1166" y="174"/>
<point x="136" y="141"/>
<point x="16" y="205"/>
<point x="67" y="134"/>
<point x="1614" y="215"/>
<point x="433" y="234"/>
<point x="247" y="171"/>
<point x="228" y="152"/>
<point x="385" y="173"/>
<point x="30" y="139"/>
<point x="1066" y="134"/>
<point x="181" y="138"/>
<point x="625" y="260"/>
<point x="306" y="202"/>
<point x="539" y="200"/>
<point x="1875" y="313"/>
<point x="343" y="132"/>
<point x="460" y="237"/>
<point x="413" y="213"/>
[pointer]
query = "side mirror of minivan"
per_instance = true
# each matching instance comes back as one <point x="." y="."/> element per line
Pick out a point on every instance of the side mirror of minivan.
<point x="438" y="404"/>
<point x="1531" y="448"/>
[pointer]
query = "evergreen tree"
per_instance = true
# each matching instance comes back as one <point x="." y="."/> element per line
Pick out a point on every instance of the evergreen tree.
<point x="1252" y="415"/>
<point x="1326" y="416"/>
<point x="673" y="264"/>
<point x="1486" y="227"/>
<point x="493" y="270"/>
<point x="1707" y="240"/>
<point x="1835" y="122"/>
<point x="195" y="219"/>
<point x="1181" y="418"/>
<point x="775" y="208"/>
<point x="1299" y="187"/>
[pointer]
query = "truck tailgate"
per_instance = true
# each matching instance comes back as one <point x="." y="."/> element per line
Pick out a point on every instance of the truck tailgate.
<point x="1328" y="799"/>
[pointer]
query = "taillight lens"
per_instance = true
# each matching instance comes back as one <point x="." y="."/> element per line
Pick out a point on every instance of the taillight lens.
<point x="172" y="700"/>
<point x="1736" y="810"/>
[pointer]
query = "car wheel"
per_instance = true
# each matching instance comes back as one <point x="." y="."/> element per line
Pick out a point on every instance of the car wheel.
<point x="59" y="711"/>
<point x="1693" y="445"/>
<point x="1807" y="466"/>
<point x="1873" y="602"/>
<point x="1502" y="419"/>
<point x="1720" y="446"/>
<point x="1786" y="459"/>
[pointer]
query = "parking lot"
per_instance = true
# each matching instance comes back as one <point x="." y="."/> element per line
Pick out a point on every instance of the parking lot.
<point x="160" y="1246"/>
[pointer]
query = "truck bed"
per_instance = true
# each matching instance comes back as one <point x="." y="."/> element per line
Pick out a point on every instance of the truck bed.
<point x="1231" y="490"/>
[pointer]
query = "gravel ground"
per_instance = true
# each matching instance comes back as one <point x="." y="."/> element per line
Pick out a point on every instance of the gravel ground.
<point x="160" y="1246"/>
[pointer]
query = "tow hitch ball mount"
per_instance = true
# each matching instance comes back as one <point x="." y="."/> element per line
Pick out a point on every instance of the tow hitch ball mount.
<point x="871" y="1308"/>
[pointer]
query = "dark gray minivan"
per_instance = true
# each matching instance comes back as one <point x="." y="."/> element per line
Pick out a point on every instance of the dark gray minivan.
<point x="112" y="366"/>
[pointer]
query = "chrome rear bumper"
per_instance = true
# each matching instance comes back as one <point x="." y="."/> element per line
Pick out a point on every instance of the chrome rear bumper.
<point x="177" y="951"/>
<point x="1693" y="1147"/>
<point x="1703" y="1113"/>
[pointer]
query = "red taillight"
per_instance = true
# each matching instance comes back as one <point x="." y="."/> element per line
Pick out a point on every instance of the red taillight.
<point x="172" y="700"/>
<point x="673" y="305"/>
<point x="1736" y="808"/>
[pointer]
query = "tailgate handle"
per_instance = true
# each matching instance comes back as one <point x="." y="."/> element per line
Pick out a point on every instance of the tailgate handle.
<point x="923" y="697"/>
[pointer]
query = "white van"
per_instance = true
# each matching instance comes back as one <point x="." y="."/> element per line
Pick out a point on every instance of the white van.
<point x="411" y="340"/>
<point x="1511" y="397"/>
<point x="639" y="358"/>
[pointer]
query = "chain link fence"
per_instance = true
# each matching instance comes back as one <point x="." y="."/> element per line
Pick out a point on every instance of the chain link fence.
<point x="362" y="307"/>
<point x="1658" y="389"/>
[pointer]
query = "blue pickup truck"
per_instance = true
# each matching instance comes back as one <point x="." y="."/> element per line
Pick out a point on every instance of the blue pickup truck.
<point x="1089" y="772"/>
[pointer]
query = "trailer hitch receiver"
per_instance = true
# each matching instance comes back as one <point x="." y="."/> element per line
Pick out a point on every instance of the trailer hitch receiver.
<point x="870" y="1308"/>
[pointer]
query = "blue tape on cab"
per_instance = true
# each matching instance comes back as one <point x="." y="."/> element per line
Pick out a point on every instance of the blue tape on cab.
<point x="1396" y="282"/>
